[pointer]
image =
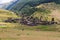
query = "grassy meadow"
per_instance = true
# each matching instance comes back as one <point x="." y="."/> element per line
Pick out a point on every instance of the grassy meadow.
<point x="13" y="31"/>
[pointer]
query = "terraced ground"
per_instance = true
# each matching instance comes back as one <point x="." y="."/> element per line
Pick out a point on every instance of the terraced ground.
<point x="4" y="15"/>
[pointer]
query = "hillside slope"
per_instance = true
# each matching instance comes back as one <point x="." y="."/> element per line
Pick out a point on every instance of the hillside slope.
<point x="20" y="6"/>
<point x="53" y="8"/>
<point x="4" y="15"/>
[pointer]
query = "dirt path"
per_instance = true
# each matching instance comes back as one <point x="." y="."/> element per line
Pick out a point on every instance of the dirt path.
<point x="12" y="34"/>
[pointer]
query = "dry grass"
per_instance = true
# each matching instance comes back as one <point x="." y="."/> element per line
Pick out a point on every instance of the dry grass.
<point x="5" y="14"/>
<point x="14" y="34"/>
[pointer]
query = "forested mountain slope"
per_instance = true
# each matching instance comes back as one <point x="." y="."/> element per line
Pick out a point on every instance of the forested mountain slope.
<point x="22" y="5"/>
